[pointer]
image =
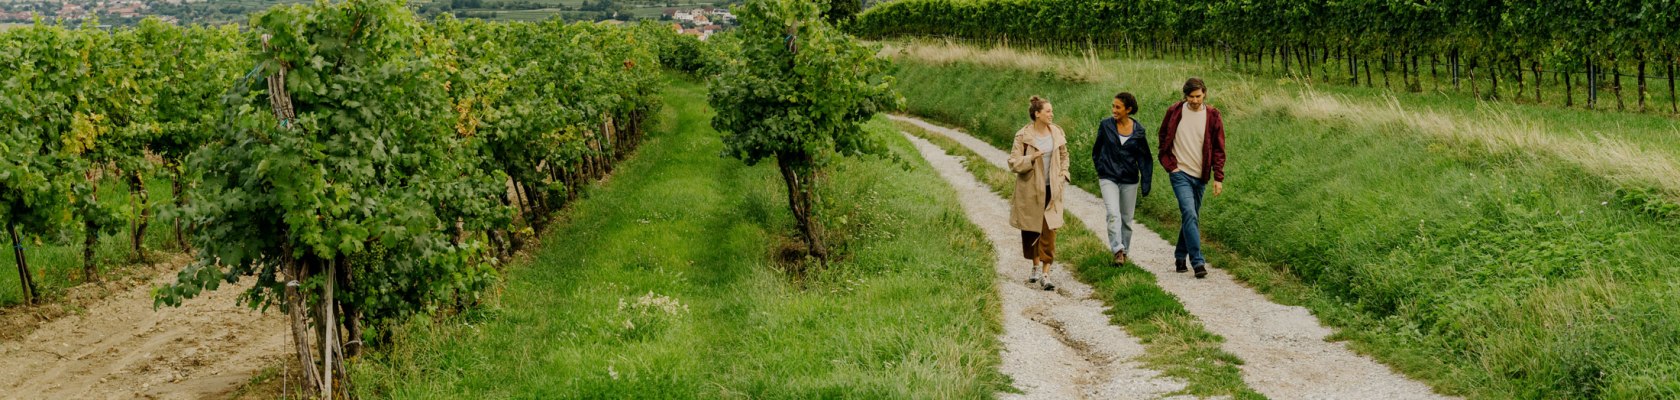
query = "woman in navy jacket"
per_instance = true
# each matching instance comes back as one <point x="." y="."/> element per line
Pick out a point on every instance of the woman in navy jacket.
<point x="1123" y="164"/>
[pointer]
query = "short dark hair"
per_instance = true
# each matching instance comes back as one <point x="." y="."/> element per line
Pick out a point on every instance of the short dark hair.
<point x="1194" y="84"/>
<point x="1130" y="102"/>
<point x="1035" y="104"/>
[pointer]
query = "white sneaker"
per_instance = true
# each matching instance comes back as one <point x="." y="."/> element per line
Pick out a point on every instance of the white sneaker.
<point x="1045" y="283"/>
<point x="1035" y="276"/>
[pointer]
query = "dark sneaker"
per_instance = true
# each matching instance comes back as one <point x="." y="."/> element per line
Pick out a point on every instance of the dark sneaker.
<point x="1181" y="268"/>
<point x="1120" y="257"/>
<point x="1201" y="271"/>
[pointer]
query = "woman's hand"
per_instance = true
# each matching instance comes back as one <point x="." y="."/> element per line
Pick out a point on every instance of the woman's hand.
<point x="1218" y="187"/>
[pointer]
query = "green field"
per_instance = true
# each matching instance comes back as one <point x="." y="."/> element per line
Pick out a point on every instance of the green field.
<point x="1489" y="268"/>
<point x="664" y="284"/>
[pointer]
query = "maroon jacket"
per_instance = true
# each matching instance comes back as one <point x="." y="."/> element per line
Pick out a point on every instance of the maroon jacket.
<point x="1213" y="146"/>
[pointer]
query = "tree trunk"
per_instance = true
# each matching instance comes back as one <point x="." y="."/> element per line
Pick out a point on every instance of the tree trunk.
<point x="90" y="267"/>
<point x="1303" y="59"/>
<point x="1673" y="101"/>
<point x="1285" y="53"/>
<point x="1324" y="63"/>
<point x="351" y="312"/>
<point x="1470" y="74"/>
<point x="1405" y="72"/>
<point x="24" y="277"/>
<point x="137" y="185"/>
<point x="1520" y="84"/>
<point x="1387" y="60"/>
<point x="1642" y="83"/>
<point x="1568" y="89"/>
<point x="296" y="311"/>
<point x="1434" y="70"/>
<point x="329" y="332"/>
<point x="1417" y="74"/>
<point x="1366" y="65"/>
<point x="1353" y="68"/>
<point x="1493" y="73"/>
<point x="180" y="202"/>
<point x="1535" y="67"/>
<point x="1616" y="76"/>
<point x="799" y="188"/>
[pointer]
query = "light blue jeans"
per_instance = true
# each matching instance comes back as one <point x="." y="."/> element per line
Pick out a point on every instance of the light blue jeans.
<point x="1120" y="200"/>
<point x="1188" y="189"/>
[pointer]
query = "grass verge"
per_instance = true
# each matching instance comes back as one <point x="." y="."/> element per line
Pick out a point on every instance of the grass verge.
<point x="664" y="284"/>
<point x="1176" y="342"/>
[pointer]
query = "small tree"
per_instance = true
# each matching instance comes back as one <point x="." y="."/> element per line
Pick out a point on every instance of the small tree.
<point x="800" y="90"/>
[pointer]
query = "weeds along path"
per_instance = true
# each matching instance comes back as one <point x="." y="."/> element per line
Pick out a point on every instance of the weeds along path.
<point x="119" y="348"/>
<point x="1056" y="345"/>
<point x="1283" y="348"/>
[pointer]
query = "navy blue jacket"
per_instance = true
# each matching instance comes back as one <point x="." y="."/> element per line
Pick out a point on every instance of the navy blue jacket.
<point x="1128" y="163"/>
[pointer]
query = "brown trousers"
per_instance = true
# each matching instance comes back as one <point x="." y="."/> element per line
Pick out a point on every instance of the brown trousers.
<point x="1038" y="246"/>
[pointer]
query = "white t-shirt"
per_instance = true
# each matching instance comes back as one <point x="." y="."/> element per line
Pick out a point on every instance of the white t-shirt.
<point x="1043" y="144"/>
<point x="1187" y="141"/>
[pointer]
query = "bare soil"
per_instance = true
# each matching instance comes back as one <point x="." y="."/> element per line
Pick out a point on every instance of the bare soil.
<point x="120" y="348"/>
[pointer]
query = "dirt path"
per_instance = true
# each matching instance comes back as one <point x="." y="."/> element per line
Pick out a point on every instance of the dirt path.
<point x="120" y="349"/>
<point x="1056" y="345"/>
<point x="1283" y="347"/>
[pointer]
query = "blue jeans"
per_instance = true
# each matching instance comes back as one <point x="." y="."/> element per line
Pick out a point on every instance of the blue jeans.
<point x="1188" y="189"/>
<point x="1121" y="201"/>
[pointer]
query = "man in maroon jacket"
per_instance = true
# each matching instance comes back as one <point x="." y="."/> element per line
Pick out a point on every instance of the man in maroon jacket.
<point x="1192" y="151"/>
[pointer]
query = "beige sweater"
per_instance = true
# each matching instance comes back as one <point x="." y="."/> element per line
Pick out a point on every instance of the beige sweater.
<point x="1187" y="143"/>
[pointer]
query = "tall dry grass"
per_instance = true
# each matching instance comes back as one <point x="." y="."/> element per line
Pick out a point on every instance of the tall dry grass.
<point x="1495" y="131"/>
<point x="1087" y="68"/>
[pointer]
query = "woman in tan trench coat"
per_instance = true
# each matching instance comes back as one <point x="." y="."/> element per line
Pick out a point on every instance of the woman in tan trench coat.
<point x="1039" y="159"/>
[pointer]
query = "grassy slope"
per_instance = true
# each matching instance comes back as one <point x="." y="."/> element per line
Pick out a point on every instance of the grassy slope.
<point x="1489" y="273"/>
<point x="910" y="314"/>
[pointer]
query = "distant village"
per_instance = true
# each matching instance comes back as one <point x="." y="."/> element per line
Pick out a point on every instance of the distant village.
<point x="698" y="21"/>
<point x="702" y="21"/>
<point x="25" y="11"/>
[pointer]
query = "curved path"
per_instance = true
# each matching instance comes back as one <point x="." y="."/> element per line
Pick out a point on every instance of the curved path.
<point x="1056" y="345"/>
<point x="1283" y="348"/>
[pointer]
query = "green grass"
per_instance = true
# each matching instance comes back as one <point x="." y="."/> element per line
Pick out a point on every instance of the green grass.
<point x="663" y="284"/>
<point x="1176" y="342"/>
<point x="1487" y="272"/>
<point x="56" y="259"/>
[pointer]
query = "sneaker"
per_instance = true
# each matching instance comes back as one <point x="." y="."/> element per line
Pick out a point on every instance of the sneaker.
<point x="1120" y="257"/>
<point x="1046" y="284"/>
<point x="1201" y="271"/>
<point x="1181" y="268"/>
<point x="1035" y="275"/>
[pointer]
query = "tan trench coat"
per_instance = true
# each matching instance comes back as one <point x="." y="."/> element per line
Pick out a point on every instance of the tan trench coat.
<point x="1027" y="210"/>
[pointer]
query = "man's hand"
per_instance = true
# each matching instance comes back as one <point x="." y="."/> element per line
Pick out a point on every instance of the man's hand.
<point x="1218" y="187"/>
